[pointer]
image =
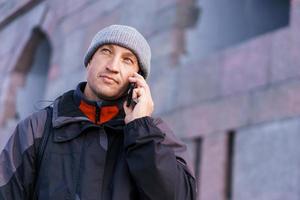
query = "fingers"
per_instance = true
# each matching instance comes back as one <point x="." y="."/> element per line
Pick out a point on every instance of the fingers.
<point x="142" y="90"/>
<point x="139" y="80"/>
<point x="137" y="92"/>
<point x="141" y="95"/>
<point x="127" y="109"/>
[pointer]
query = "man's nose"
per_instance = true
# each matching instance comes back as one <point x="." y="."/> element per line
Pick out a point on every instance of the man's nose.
<point x="113" y="64"/>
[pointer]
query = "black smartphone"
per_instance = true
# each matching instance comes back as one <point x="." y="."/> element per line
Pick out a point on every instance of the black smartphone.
<point x="129" y="100"/>
<point x="130" y="91"/>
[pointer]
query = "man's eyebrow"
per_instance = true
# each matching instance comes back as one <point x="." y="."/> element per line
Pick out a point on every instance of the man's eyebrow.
<point x="130" y="54"/>
<point x="107" y="45"/>
<point x="126" y="53"/>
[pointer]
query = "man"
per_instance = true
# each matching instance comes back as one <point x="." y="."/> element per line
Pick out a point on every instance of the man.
<point x="99" y="147"/>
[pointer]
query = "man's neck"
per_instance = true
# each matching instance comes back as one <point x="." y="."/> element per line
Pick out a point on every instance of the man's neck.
<point x="89" y="94"/>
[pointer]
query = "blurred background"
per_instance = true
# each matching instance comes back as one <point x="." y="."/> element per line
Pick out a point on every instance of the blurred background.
<point x="225" y="76"/>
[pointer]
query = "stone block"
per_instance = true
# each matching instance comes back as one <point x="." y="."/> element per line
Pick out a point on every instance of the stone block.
<point x="179" y="14"/>
<point x="9" y="8"/>
<point x="33" y="18"/>
<point x="8" y="37"/>
<point x="282" y="66"/>
<point x="73" y="6"/>
<point x="48" y="25"/>
<point x="139" y="15"/>
<point x="188" y="14"/>
<point x="3" y="77"/>
<point x="246" y="67"/>
<point x="57" y="7"/>
<point x="3" y="65"/>
<point x="295" y="41"/>
<point x="164" y="43"/>
<point x="55" y="89"/>
<point x="54" y="72"/>
<point x="93" y="11"/>
<point x="165" y="4"/>
<point x="162" y="89"/>
<point x="266" y="162"/>
<point x="67" y="8"/>
<point x="211" y="116"/>
<point x="72" y="52"/>
<point x="56" y="48"/>
<point x="78" y="76"/>
<point x="295" y="2"/>
<point x="167" y="17"/>
<point x="213" y="167"/>
<point x="198" y="81"/>
<point x="278" y="102"/>
<point x="92" y="28"/>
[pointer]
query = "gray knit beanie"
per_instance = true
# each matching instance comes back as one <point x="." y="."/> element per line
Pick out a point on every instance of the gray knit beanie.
<point x="124" y="36"/>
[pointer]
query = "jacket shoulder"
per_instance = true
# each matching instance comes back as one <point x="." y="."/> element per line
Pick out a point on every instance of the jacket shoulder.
<point x="21" y="146"/>
<point x="178" y="146"/>
<point x="34" y="124"/>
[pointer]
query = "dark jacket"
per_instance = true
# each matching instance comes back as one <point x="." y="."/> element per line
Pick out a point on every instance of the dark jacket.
<point x="88" y="161"/>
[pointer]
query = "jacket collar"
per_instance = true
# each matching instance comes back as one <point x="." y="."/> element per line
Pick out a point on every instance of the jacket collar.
<point x="66" y="109"/>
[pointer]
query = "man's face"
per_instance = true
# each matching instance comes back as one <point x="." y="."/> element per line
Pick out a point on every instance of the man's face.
<point x="108" y="72"/>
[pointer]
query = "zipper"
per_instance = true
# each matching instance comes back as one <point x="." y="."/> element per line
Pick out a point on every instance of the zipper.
<point x="97" y="117"/>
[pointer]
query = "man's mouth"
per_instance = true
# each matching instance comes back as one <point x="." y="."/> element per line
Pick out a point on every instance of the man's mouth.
<point x="108" y="78"/>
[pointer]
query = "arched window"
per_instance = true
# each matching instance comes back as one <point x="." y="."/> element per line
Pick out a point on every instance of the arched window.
<point x="26" y="84"/>
<point x="34" y="86"/>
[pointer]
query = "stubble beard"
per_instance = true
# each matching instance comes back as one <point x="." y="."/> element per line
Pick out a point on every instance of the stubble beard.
<point x="99" y="94"/>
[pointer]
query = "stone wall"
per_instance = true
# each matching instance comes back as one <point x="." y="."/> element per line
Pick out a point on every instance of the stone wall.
<point x="246" y="89"/>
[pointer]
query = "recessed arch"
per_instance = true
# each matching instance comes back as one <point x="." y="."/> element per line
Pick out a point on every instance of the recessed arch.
<point x="26" y="82"/>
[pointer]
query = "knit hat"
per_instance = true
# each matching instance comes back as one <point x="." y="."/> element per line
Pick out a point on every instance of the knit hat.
<point x="127" y="37"/>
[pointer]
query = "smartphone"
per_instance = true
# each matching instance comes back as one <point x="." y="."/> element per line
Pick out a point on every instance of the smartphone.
<point x="130" y="91"/>
<point x="129" y="95"/>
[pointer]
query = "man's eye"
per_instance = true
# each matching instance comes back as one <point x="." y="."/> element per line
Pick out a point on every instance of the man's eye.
<point x="105" y="50"/>
<point x="128" y="60"/>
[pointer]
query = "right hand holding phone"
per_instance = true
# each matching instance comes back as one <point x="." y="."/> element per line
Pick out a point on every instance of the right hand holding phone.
<point x="142" y="96"/>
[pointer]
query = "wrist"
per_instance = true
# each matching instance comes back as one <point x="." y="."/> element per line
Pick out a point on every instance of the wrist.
<point x="128" y="120"/>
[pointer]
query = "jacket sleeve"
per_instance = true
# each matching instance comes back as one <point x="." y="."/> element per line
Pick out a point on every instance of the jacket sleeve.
<point x="157" y="161"/>
<point x="17" y="159"/>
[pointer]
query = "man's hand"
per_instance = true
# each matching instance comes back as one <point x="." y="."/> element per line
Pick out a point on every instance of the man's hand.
<point x="142" y="96"/>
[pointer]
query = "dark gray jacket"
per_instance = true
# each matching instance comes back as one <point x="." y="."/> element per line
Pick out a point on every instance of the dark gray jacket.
<point x="84" y="161"/>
